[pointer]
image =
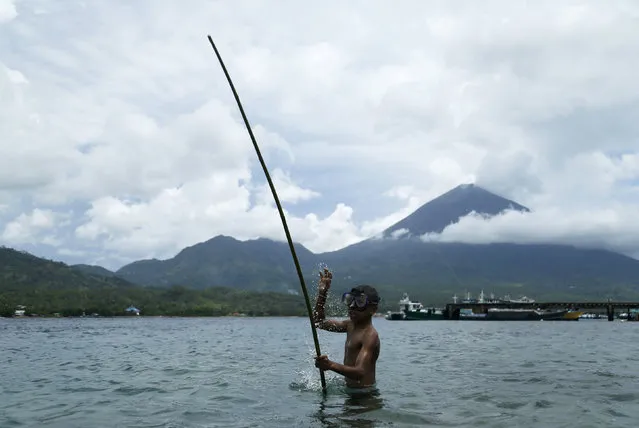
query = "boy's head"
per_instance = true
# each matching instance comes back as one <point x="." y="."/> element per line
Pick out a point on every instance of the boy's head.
<point x="362" y="302"/>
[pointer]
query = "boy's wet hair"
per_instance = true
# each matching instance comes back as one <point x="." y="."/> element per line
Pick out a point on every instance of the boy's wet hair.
<point x="369" y="291"/>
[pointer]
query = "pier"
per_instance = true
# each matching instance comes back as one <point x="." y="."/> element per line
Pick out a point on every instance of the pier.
<point x="453" y="309"/>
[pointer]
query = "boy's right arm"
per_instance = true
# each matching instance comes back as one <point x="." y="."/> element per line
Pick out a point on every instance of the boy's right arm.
<point x="319" y="315"/>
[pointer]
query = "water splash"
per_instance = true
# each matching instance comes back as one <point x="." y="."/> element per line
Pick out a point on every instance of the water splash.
<point x="320" y="268"/>
<point x="307" y="377"/>
<point x="309" y="381"/>
<point x="333" y="306"/>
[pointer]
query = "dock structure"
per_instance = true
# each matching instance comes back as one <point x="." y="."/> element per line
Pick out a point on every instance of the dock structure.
<point x="452" y="310"/>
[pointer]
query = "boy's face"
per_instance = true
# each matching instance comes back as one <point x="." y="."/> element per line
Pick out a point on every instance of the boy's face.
<point x="359" y="307"/>
<point x="358" y="314"/>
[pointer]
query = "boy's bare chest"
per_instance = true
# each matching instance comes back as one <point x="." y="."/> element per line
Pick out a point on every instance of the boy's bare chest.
<point x="353" y="343"/>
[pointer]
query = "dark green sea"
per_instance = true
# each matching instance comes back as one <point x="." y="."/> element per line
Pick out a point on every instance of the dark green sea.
<point x="258" y="372"/>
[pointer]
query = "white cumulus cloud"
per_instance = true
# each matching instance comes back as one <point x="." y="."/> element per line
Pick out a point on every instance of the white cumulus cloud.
<point x="8" y="11"/>
<point x="118" y="124"/>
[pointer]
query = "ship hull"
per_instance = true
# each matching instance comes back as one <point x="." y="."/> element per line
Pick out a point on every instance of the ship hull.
<point x="395" y="316"/>
<point x="516" y="315"/>
<point x="572" y="316"/>
<point x="423" y="316"/>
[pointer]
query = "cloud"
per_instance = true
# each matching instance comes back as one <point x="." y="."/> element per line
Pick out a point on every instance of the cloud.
<point x="117" y="119"/>
<point x="614" y="229"/>
<point x="33" y="227"/>
<point x="396" y="234"/>
<point x="8" y="11"/>
<point x="199" y="210"/>
<point x="286" y="190"/>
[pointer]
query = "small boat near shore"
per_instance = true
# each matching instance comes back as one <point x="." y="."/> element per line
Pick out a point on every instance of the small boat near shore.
<point x="573" y="315"/>
<point x="592" y="316"/>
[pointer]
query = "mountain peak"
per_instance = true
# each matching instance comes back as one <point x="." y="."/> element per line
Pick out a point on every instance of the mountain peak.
<point x="435" y="215"/>
<point x="466" y="186"/>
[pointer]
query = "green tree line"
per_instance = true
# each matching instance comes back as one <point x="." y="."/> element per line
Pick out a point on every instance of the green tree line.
<point x="173" y="301"/>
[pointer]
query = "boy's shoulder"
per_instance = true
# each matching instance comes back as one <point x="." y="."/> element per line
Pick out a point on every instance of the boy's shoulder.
<point x="370" y="331"/>
<point x="373" y="331"/>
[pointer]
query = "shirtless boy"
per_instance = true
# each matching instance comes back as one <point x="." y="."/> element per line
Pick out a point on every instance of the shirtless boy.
<point x="362" y="342"/>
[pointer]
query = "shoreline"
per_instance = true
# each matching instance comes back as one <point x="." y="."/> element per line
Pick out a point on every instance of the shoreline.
<point x="154" y="316"/>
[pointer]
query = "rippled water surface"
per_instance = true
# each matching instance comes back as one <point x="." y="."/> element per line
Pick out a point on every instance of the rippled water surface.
<point x="243" y="372"/>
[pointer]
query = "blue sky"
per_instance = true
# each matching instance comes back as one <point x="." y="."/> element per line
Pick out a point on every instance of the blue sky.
<point x="121" y="139"/>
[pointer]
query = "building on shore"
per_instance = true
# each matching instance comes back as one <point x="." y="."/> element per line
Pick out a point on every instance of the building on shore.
<point x="132" y="310"/>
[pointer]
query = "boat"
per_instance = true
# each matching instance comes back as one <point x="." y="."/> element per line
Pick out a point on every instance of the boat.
<point x="592" y="316"/>
<point x="507" y="314"/>
<point x="573" y="315"/>
<point x="414" y="311"/>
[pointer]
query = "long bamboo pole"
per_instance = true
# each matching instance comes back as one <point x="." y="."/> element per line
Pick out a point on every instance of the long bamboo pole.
<point x="279" y="208"/>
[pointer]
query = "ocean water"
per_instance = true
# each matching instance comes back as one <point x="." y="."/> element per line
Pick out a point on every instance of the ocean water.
<point x="258" y="372"/>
